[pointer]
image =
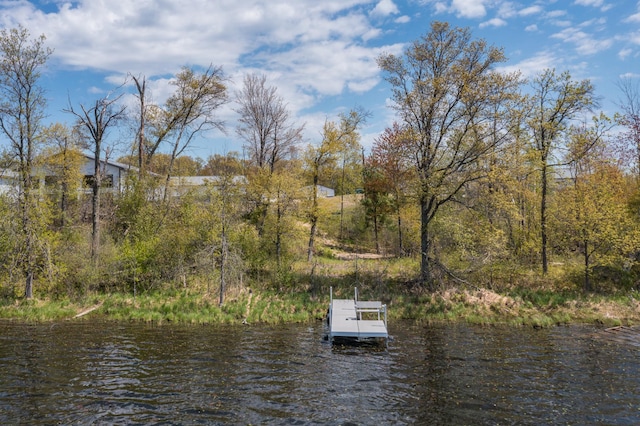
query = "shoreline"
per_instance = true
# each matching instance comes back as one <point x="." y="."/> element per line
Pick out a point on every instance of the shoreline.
<point x="478" y="306"/>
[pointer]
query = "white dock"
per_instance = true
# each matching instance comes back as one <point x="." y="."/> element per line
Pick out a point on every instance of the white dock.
<point x="346" y="319"/>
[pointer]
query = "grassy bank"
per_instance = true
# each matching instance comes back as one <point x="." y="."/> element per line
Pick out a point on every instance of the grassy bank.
<point x="170" y="307"/>
<point x="474" y="306"/>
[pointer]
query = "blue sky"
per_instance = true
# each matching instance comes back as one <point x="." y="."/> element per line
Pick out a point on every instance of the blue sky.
<point x="320" y="54"/>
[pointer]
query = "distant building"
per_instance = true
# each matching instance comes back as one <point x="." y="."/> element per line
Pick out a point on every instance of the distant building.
<point x="323" y="191"/>
<point x="114" y="174"/>
<point x="181" y="185"/>
<point x="9" y="181"/>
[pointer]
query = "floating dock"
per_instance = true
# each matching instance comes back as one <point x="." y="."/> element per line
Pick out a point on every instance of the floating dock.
<point x="351" y="319"/>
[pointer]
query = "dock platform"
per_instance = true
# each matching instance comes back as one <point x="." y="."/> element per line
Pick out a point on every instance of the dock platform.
<point x="351" y="318"/>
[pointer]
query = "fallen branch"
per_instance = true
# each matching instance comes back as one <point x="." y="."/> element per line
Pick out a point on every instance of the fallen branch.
<point x="86" y="311"/>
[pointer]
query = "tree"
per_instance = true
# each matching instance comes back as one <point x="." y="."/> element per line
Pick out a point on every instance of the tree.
<point x="391" y="152"/>
<point x="630" y="138"/>
<point x="264" y="123"/>
<point x="270" y="137"/>
<point x="334" y="138"/>
<point x="64" y="160"/>
<point x="377" y="198"/>
<point x="94" y="123"/>
<point x="187" y="113"/>
<point x="217" y="165"/>
<point x="141" y="87"/>
<point x="556" y="100"/>
<point x="22" y="106"/>
<point x="595" y="219"/>
<point x="452" y="105"/>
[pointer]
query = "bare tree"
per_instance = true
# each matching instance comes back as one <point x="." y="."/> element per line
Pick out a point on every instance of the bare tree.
<point x="269" y="135"/>
<point x="94" y="123"/>
<point x="141" y="87"/>
<point x="630" y="119"/>
<point x="265" y="124"/>
<point x="22" y="105"/>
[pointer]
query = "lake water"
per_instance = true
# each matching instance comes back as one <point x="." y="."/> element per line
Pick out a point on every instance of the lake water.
<point x="113" y="373"/>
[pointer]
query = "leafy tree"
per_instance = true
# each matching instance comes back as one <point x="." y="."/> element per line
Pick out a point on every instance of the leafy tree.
<point x="556" y="100"/>
<point x="377" y="200"/>
<point x="452" y="105"/>
<point x="63" y="160"/>
<point x="187" y="113"/>
<point x="218" y="165"/>
<point x="182" y="166"/>
<point x="22" y="108"/>
<point x="594" y="218"/>
<point x="334" y="138"/>
<point x="391" y="152"/>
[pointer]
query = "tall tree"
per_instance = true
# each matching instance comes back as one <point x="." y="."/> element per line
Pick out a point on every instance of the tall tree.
<point x="141" y="87"/>
<point x="189" y="112"/>
<point x="265" y="123"/>
<point x="556" y="100"/>
<point x="270" y="137"/>
<point x="192" y="108"/>
<point x="64" y="159"/>
<point x="377" y="199"/>
<point x="391" y="151"/>
<point x="446" y="94"/>
<point x="334" y="138"/>
<point x="629" y="139"/>
<point x="22" y="107"/>
<point x="94" y="122"/>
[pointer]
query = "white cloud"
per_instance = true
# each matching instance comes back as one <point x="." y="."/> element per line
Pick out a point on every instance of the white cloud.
<point x="594" y="3"/>
<point x="533" y="65"/>
<point x="624" y="53"/>
<point x="440" y="7"/>
<point x="556" y="13"/>
<point x="585" y="44"/>
<point x="469" y="8"/>
<point x="385" y="8"/>
<point x="404" y="19"/>
<point x="531" y="28"/>
<point x="531" y="10"/>
<point x="495" y="22"/>
<point x="633" y="18"/>
<point x="323" y="44"/>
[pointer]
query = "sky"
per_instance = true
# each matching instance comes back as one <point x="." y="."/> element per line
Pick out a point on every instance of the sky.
<point x="319" y="54"/>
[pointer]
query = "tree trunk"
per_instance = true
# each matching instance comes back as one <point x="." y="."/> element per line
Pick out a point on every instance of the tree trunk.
<point x="28" y="289"/>
<point x="587" y="278"/>
<point x="400" y="245"/>
<point x="375" y="231"/>
<point x="313" y="218"/>
<point x="543" y="219"/>
<point x="223" y="265"/>
<point x="425" y="246"/>
<point x="28" y="232"/>
<point x="278" y="232"/>
<point x="95" y="206"/>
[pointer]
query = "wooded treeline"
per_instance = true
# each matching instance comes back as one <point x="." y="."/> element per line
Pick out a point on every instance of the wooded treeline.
<point x="482" y="172"/>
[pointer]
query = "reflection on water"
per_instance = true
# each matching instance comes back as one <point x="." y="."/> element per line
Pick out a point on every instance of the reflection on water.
<point x="112" y="373"/>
